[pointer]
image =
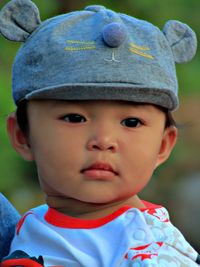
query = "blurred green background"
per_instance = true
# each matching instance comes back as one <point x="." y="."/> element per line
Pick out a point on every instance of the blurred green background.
<point x="177" y="183"/>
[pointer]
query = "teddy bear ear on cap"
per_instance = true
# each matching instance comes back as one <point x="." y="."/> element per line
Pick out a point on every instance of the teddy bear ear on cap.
<point x="182" y="40"/>
<point x="18" y="19"/>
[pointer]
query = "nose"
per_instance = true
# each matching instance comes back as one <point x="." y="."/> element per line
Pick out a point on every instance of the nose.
<point x="103" y="142"/>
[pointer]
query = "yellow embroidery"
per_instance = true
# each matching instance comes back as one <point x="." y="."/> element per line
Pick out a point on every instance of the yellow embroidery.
<point x="141" y="53"/>
<point x="139" y="47"/>
<point x="76" y="45"/>
<point x="80" y="42"/>
<point x="72" y="48"/>
<point x="138" y="50"/>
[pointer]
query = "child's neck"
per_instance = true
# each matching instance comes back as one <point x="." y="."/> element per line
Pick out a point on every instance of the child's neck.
<point x="84" y="210"/>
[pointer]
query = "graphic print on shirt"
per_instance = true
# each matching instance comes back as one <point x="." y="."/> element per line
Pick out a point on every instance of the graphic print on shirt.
<point x="160" y="214"/>
<point x="144" y="252"/>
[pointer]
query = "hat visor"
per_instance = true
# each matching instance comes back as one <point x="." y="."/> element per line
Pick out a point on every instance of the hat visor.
<point x="108" y="91"/>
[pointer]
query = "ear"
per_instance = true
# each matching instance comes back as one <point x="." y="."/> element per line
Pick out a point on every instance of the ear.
<point x="182" y="40"/>
<point x="167" y="144"/>
<point x="18" y="138"/>
<point x="18" y="19"/>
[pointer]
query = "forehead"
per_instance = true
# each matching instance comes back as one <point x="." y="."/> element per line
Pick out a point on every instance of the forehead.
<point x="100" y="104"/>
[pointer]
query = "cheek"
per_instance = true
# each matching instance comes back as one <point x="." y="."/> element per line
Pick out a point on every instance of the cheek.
<point x="142" y="156"/>
<point x="54" y="143"/>
<point x="57" y="159"/>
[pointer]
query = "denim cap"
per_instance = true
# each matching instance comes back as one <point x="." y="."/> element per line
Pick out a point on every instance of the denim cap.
<point x="95" y="54"/>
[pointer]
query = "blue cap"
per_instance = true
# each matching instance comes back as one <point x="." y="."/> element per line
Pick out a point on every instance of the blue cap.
<point x="95" y="54"/>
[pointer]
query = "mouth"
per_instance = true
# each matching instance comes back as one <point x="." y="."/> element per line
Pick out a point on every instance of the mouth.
<point x="100" y="171"/>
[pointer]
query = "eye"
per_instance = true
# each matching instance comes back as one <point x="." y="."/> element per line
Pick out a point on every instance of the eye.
<point x="74" y="118"/>
<point x="131" y="122"/>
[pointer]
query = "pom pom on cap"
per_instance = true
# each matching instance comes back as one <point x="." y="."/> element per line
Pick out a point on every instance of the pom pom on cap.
<point x="114" y="34"/>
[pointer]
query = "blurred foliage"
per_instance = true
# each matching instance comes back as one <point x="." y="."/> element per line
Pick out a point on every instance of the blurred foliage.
<point x="18" y="179"/>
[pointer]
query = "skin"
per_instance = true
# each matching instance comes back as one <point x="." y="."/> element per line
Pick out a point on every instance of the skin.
<point x="131" y="138"/>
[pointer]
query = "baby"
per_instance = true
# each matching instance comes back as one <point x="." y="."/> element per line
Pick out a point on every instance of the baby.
<point x="94" y="91"/>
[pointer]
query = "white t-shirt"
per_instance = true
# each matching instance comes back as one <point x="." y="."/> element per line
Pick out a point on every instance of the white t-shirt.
<point x="129" y="237"/>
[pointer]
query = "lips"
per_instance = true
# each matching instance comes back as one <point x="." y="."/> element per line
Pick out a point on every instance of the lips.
<point x="99" y="170"/>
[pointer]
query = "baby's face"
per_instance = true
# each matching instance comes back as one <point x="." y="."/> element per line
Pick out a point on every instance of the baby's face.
<point x="96" y="151"/>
